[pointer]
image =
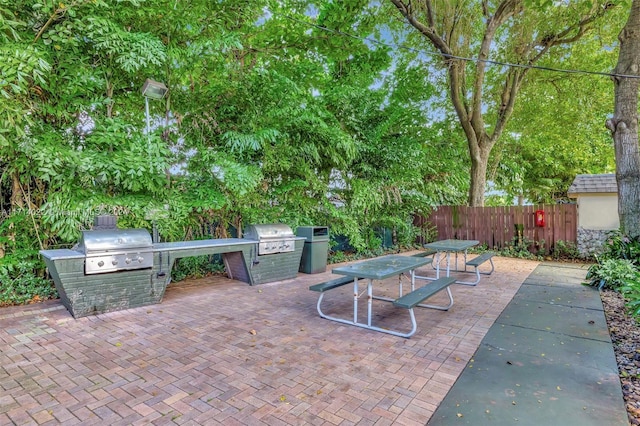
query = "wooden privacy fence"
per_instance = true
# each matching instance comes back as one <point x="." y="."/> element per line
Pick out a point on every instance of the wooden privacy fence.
<point x="500" y="227"/>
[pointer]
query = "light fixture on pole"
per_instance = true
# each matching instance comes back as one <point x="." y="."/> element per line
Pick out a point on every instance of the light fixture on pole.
<point x="152" y="90"/>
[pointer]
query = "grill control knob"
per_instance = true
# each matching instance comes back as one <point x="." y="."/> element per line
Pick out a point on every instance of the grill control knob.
<point x="101" y="264"/>
<point x="140" y="259"/>
<point x="127" y="260"/>
<point x="114" y="262"/>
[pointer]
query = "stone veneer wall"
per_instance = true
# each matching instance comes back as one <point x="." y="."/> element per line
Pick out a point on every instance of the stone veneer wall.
<point x="591" y="241"/>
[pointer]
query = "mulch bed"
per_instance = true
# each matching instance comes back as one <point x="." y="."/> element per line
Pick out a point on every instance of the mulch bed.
<point x="625" y="335"/>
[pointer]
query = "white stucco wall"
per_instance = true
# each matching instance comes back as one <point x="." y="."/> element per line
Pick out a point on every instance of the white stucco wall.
<point x="598" y="211"/>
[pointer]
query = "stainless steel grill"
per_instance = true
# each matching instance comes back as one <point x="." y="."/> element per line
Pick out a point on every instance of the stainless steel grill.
<point x="272" y="238"/>
<point x="112" y="250"/>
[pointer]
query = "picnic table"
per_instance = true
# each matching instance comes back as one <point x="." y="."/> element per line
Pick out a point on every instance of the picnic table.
<point x="444" y="249"/>
<point x="378" y="269"/>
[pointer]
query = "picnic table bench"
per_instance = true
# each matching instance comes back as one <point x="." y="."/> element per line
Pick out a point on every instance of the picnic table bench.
<point x="476" y="262"/>
<point x="379" y="269"/>
<point x="331" y="284"/>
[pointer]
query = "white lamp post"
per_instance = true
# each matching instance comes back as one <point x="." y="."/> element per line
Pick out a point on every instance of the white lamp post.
<point x="152" y="90"/>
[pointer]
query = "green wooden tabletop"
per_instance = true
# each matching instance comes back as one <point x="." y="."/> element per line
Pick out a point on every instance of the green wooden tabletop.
<point x="382" y="267"/>
<point x="452" y="245"/>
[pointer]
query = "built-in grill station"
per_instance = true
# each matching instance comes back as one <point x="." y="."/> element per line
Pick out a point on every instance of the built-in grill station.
<point x="115" y="250"/>
<point x="272" y="238"/>
<point x="110" y="269"/>
<point x="277" y="252"/>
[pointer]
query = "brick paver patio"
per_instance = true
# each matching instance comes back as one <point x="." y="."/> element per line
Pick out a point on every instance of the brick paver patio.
<point x="217" y="351"/>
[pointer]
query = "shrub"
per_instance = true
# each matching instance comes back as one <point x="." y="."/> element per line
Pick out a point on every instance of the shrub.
<point x="619" y="246"/>
<point x="195" y="267"/>
<point x="612" y="273"/>
<point x="616" y="269"/>
<point x="631" y="293"/>
<point x="565" y="250"/>
<point x="19" y="283"/>
<point x="519" y="248"/>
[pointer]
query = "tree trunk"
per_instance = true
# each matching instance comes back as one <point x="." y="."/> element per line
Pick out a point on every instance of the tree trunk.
<point x="624" y="125"/>
<point x="17" y="199"/>
<point x="478" y="179"/>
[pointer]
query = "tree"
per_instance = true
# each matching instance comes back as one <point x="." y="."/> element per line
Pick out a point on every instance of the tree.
<point x="556" y="130"/>
<point x="512" y="31"/>
<point x="624" y="124"/>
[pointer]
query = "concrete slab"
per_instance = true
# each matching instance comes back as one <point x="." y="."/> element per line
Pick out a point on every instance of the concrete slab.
<point x="577" y="322"/>
<point x="555" y="274"/>
<point x="546" y="349"/>
<point x="578" y="296"/>
<point x="547" y="360"/>
<point x="507" y="388"/>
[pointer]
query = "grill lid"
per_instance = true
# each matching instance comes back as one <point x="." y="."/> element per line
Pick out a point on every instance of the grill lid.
<point x="112" y="250"/>
<point x="116" y="240"/>
<point x="273" y="231"/>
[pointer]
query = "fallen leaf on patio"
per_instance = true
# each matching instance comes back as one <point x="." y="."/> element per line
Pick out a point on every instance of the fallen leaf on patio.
<point x="459" y="415"/>
<point x="558" y="387"/>
<point x="513" y="403"/>
<point x="259" y="291"/>
<point x="118" y="344"/>
<point x="283" y="398"/>
<point x="457" y="359"/>
<point x="253" y="332"/>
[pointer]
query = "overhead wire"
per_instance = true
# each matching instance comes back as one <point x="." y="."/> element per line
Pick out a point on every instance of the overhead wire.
<point x="461" y="58"/>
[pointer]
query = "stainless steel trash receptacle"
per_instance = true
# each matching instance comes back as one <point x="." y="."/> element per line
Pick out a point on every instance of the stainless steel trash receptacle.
<point x="316" y="249"/>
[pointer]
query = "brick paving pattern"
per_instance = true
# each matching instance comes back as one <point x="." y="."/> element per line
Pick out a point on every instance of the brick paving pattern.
<point x="217" y="351"/>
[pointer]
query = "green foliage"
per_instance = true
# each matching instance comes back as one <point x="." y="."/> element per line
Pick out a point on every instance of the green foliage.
<point x="19" y="283"/>
<point x="196" y="267"/>
<point x="565" y="250"/>
<point x="612" y="273"/>
<point x="617" y="269"/>
<point x="631" y="292"/>
<point x="519" y="248"/>
<point x="22" y="67"/>
<point x="131" y="51"/>
<point x="620" y="246"/>
<point x="538" y="158"/>
<point x="340" y="256"/>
